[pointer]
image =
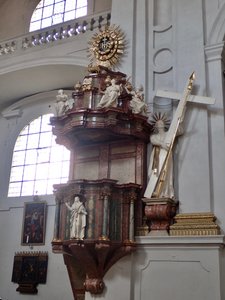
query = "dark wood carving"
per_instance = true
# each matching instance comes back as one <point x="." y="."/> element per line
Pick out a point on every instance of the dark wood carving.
<point x="29" y="269"/>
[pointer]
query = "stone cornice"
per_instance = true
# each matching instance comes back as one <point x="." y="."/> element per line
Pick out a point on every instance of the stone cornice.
<point x="181" y="241"/>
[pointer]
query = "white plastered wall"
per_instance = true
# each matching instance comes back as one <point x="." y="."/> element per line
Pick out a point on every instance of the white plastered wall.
<point x="11" y="209"/>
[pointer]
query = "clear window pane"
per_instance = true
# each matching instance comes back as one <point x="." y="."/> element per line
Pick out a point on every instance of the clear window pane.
<point x="27" y="188"/>
<point x="35" y="126"/>
<point x="34" y="168"/>
<point x="40" y="187"/>
<point x="65" y="170"/>
<point x="46" y="22"/>
<point x="81" y="3"/>
<point x="31" y="157"/>
<point x="55" y="170"/>
<point x="33" y="140"/>
<point x="35" y="26"/>
<point x="42" y="171"/>
<point x="16" y="174"/>
<point x="63" y="180"/>
<point x="43" y="155"/>
<point x="66" y="154"/>
<point x="24" y="131"/>
<point x="45" y="124"/>
<point x="21" y="143"/>
<point x="56" y="19"/>
<point x="48" y="2"/>
<point x="56" y="154"/>
<point x="81" y="12"/>
<point x="47" y="11"/>
<point x="59" y="7"/>
<point x="45" y="139"/>
<point x="54" y="142"/>
<point x="69" y="16"/>
<point x="37" y="14"/>
<point x="50" y="12"/>
<point x="70" y="5"/>
<point x="14" y="189"/>
<point x="29" y="172"/>
<point x="18" y="158"/>
<point x="50" y="184"/>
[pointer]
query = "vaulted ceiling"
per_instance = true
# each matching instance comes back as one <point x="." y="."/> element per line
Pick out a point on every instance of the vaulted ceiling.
<point x="19" y="84"/>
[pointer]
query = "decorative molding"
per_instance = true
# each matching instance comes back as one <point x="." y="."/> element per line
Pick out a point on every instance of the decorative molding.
<point x="214" y="52"/>
<point x="55" y="33"/>
<point x="216" y="34"/>
<point x="162" y="28"/>
<point x="179" y="241"/>
<point x="161" y="56"/>
<point x="195" y="224"/>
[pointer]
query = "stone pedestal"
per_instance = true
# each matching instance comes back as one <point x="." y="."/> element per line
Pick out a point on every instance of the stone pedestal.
<point x="160" y="213"/>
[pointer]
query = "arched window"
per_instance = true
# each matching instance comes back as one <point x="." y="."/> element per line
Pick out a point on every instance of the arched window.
<point x="38" y="162"/>
<point x="51" y="12"/>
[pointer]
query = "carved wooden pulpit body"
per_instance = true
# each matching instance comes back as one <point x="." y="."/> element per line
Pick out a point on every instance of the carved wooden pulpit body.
<point x="107" y="172"/>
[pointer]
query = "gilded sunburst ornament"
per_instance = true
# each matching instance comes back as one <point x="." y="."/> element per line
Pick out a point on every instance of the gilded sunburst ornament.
<point x="106" y="47"/>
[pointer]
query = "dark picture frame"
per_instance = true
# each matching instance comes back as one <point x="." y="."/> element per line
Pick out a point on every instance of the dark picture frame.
<point x="34" y="222"/>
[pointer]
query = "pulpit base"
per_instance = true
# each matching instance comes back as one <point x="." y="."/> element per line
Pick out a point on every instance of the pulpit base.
<point x="160" y="213"/>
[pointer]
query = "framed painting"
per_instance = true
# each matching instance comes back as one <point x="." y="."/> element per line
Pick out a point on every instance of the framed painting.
<point x="34" y="219"/>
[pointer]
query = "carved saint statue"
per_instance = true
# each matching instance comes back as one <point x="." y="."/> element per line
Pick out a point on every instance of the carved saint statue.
<point x="77" y="219"/>
<point x="63" y="103"/>
<point x="155" y="165"/>
<point x="111" y="94"/>
<point x="160" y="183"/>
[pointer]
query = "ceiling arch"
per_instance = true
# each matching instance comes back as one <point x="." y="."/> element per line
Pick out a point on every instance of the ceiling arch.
<point x="22" y="83"/>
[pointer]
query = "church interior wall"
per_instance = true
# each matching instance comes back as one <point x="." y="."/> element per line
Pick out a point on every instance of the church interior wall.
<point x="12" y="209"/>
<point x="165" y="44"/>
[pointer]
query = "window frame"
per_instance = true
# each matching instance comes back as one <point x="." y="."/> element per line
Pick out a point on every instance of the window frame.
<point x="59" y="178"/>
<point x="52" y="4"/>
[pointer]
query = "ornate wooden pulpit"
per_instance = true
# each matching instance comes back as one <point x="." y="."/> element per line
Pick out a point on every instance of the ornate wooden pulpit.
<point x="108" y="172"/>
<point x="107" y="133"/>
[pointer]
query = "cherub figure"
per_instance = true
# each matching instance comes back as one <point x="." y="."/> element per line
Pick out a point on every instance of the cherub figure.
<point x="137" y="103"/>
<point x="87" y="84"/>
<point x="77" y="86"/>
